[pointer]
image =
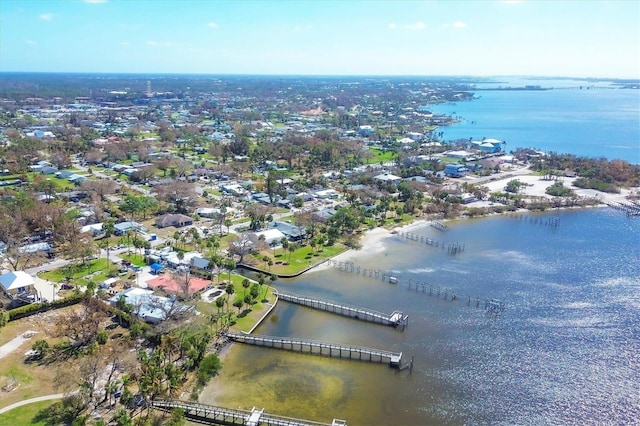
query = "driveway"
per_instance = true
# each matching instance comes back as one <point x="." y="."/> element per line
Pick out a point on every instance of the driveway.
<point x="12" y="345"/>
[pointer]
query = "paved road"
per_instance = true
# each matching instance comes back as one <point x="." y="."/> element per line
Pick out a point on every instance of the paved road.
<point x="31" y="401"/>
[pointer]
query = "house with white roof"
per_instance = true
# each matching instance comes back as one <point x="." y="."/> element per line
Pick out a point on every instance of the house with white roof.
<point x="16" y="283"/>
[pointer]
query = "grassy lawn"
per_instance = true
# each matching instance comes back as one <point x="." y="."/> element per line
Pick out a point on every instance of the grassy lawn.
<point x="299" y="260"/>
<point x="34" y="379"/>
<point x="24" y="415"/>
<point x="78" y="271"/>
<point x="244" y="320"/>
<point x="381" y="156"/>
<point x="135" y="258"/>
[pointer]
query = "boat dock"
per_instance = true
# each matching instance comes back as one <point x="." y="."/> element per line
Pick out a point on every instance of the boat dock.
<point x="396" y="319"/>
<point x="394" y="359"/>
<point x="209" y="414"/>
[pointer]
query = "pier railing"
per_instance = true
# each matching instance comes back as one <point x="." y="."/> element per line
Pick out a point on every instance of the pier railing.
<point x="209" y="414"/>
<point x="313" y="347"/>
<point x="396" y="319"/>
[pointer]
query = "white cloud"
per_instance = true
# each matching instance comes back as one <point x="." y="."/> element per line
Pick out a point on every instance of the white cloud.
<point x="46" y="16"/>
<point x="32" y="42"/>
<point x="302" y="27"/>
<point x="392" y="25"/>
<point x="415" y="27"/>
<point x="95" y="1"/>
<point x="459" y="24"/>
<point x="124" y="43"/>
<point x="212" y="25"/>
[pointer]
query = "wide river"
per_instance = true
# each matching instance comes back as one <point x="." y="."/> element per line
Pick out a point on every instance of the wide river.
<point x="588" y="122"/>
<point x="566" y="350"/>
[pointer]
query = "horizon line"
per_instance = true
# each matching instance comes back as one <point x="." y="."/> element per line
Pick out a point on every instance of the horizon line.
<point x="535" y="76"/>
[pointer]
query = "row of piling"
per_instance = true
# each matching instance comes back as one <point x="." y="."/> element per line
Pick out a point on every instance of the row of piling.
<point x="491" y="306"/>
<point x="631" y="208"/>
<point x="452" y="248"/>
<point x="553" y="222"/>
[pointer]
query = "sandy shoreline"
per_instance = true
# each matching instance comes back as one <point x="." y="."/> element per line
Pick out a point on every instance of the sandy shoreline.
<point x="372" y="242"/>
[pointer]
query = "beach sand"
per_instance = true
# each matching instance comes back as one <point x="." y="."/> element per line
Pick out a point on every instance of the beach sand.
<point x="536" y="186"/>
<point x="372" y="242"/>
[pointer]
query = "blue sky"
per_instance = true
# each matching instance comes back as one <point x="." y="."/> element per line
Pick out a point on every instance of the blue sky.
<point x="548" y="38"/>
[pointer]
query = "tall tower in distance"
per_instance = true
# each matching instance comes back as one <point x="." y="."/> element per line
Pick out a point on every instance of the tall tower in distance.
<point x="149" y="89"/>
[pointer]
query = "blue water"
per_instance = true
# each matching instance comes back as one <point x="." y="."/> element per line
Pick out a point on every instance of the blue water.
<point x="588" y="122"/>
<point x="565" y="351"/>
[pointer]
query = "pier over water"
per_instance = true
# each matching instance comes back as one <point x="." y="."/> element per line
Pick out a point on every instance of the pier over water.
<point x="209" y="414"/>
<point x="394" y="359"/>
<point x="396" y="319"/>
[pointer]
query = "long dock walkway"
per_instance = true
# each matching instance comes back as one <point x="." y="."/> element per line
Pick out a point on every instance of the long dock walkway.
<point x="394" y="359"/>
<point x="396" y="319"/>
<point x="209" y="414"/>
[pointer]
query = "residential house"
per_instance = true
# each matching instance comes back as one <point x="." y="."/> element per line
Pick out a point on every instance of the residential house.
<point x="388" y="178"/>
<point x="271" y="237"/>
<point x="146" y="305"/>
<point x="170" y="219"/>
<point x="123" y="227"/>
<point x="292" y="232"/>
<point x="17" y="284"/>
<point x="455" y="170"/>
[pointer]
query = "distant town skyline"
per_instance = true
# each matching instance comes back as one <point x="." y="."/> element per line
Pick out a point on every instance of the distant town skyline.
<point x="478" y="38"/>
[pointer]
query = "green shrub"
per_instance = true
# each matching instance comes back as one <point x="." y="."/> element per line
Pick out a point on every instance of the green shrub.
<point x="209" y="367"/>
<point x="36" y="308"/>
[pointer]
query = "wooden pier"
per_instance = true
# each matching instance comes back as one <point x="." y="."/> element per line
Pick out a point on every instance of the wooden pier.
<point x="209" y="414"/>
<point x="396" y="319"/>
<point x="394" y="359"/>
<point x="630" y="208"/>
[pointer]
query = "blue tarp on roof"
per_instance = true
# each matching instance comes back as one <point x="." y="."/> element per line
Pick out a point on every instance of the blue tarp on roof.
<point x="156" y="267"/>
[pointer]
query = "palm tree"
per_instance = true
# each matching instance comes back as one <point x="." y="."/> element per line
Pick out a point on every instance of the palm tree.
<point x="245" y="285"/>
<point x="285" y="244"/>
<point x="230" y="265"/>
<point x="219" y="303"/>
<point x="292" y="248"/>
<point x="229" y="290"/>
